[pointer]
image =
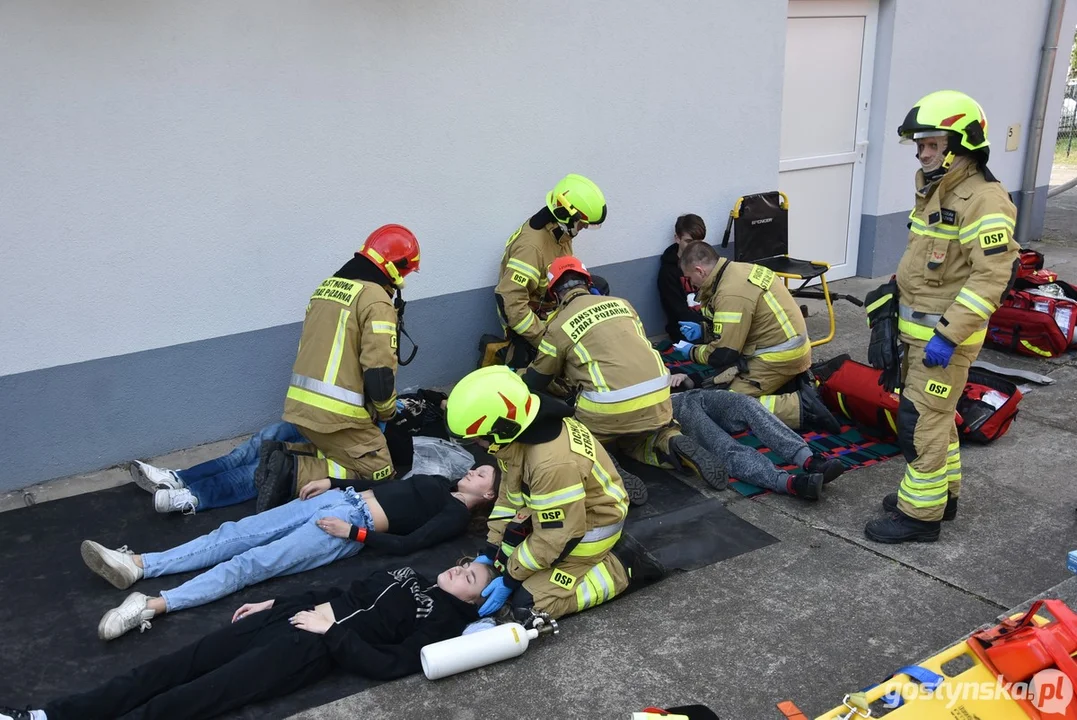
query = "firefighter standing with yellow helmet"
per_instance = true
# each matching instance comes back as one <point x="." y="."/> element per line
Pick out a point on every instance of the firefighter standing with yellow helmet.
<point x="575" y="203"/>
<point x="561" y="506"/>
<point x="958" y="264"/>
<point x="343" y="385"/>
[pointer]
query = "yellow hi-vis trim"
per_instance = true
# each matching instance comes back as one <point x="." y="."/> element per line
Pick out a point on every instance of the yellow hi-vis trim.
<point x="878" y="303"/>
<point x="592" y="368"/>
<point x="625" y="406"/>
<point x="924" y="489"/>
<point x="328" y="404"/>
<point x="597" y="547"/>
<point x="768" y="401"/>
<point x="940" y="230"/>
<point x="522" y="326"/>
<point x="520" y="266"/>
<point x="986" y="222"/>
<point x="336" y="470"/>
<point x="785" y="355"/>
<point x="890" y="420"/>
<point x="332" y="366"/>
<point x="524" y="557"/>
<point x="595" y="588"/>
<point x="841" y="404"/>
<point x="564" y="496"/>
<point x="727" y="317"/>
<point x="779" y="315"/>
<point x="611" y="488"/>
<point x="922" y="332"/>
<point x="501" y="512"/>
<point x="547" y="348"/>
<point x="1035" y="349"/>
<point x="976" y="303"/>
<point x="384" y="328"/>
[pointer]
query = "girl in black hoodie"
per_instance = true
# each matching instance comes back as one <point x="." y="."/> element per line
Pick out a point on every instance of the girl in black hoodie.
<point x="376" y="628"/>
<point x="671" y="288"/>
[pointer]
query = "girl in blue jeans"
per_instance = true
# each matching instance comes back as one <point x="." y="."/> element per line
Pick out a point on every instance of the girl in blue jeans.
<point x="326" y="523"/>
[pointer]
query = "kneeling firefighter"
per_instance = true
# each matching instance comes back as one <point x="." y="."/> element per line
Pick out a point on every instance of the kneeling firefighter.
<point x="597" y="346"/>
<point x="561" y="506"/>
<point x="959" y="262"/>
<point x="343" y="386"/>
<point x="574" y="204"/>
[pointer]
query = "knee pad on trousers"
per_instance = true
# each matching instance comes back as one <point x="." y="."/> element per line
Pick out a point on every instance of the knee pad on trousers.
<point x="908" y="416"/>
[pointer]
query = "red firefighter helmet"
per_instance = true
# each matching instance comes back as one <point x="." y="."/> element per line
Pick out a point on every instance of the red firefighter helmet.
<point x="562" y="265"/>
<point x="394" y="249"/>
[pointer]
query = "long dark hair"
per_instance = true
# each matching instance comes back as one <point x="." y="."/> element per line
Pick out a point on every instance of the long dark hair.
<point x="481" y="512"/>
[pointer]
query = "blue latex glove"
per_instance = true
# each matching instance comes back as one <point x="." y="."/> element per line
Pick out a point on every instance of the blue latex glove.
<point x="381" y="425"/>
<point x="938" y="352"/>
<point x="399" y="405"/>
<point x="595" y="291"/>
<point x="496" y="593"/>
<point x="483" y="560"/>
<point x="691" y="330"/>
<point x="682" y="350"/>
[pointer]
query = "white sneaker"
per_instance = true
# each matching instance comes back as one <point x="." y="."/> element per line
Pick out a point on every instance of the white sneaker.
<point x="166" y="501"/>
<point x="151" y="478"/>
<point x="116" y="566"/>
<point x="132" y="613"/>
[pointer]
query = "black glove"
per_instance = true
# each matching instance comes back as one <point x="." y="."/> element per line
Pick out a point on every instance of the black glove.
<point x="884" y="348"/>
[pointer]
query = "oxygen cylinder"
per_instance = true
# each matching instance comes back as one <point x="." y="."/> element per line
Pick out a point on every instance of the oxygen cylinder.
<point x="475" y="650"/>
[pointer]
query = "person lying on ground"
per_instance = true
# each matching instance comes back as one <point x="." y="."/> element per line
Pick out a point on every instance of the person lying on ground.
<point x="712" y="416"/>
<point x="376" y="629"/>
<point x="230" y="479"/>
<point x="324" y="525"/>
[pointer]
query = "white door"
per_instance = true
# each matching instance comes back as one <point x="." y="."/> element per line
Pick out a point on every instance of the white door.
<point x="829" y="52"/>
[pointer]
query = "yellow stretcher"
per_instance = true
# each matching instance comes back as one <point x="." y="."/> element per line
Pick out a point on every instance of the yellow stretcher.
<point x="971" y="694"/>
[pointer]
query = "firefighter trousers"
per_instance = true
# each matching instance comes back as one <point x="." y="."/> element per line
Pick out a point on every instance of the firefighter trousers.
<point x="650" y="448"/>
<point x="927" y="433"/>
<point x="762" y="379"/>
<point x="358" y="453"/>
<point x="574" y="585"/>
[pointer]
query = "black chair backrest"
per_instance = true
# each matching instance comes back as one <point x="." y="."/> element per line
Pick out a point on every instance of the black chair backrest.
<point x="760" y="228"/>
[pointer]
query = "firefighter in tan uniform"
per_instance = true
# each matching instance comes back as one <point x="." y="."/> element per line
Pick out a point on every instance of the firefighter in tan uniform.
<point x="574" y="204"/>
<point x="343" y="385"/>
<point x="561" y="506"/>
<point x="596" y="346"/>
<point x="959" y="262"/>
<point x="754" y="325"/>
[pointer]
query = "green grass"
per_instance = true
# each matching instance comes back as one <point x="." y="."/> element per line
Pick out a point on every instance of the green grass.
<point x="1061" y="158"/>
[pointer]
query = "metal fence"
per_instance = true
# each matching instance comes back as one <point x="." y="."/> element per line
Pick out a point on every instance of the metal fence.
<point x="1066" y="142"/>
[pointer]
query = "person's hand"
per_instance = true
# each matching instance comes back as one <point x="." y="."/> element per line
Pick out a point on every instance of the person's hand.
<point x="682" y="350"/>
<point x="335" y="527"/>
<point x="381" y="425"/>
<point x="400" y="405"/>
<point x="314" y="488"/>
<point x="311" y="621"/>
<point x="938" y="352"/>
<point x="677" y="380"/>
<point x="250" y="609"/>
<point x="691" y="330"/>
<point x="496" y="593"/>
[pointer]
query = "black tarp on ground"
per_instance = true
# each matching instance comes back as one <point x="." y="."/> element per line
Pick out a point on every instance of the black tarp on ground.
<point x="50" y="603"/>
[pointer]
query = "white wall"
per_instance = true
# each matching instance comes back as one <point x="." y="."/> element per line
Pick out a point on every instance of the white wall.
<point x="171" y="172"/>
<point x="989" y="49"/>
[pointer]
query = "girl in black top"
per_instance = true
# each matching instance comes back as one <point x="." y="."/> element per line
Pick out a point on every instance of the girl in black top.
<point x="324" y="524"/>
<point x="672" y="290"/>
<point x="376" y="629"/>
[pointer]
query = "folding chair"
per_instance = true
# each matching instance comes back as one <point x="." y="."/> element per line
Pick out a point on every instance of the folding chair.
<point x="759" y="225"/>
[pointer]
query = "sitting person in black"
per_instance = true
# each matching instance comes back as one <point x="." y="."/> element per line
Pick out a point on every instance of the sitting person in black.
<point x="678" y="298"/>
<point x="376" y="629"/>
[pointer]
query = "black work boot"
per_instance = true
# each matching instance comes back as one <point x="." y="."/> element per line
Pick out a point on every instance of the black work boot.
<point x="829" y="468"/>
<point x="890" y="503"/>
<point x="640" y="566"/>
<point x="267" y="449"/>
<point x="807" y="486"/>
<point x="687" y="454"/>
<point x="814" y="414"/>
<point x="897" y="527"/>
<point x="278" y="483"/>
<point x="634" y="485"/>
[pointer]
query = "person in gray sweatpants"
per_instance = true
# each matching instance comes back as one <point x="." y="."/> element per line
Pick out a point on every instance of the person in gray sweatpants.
<point x="711" y="417"/>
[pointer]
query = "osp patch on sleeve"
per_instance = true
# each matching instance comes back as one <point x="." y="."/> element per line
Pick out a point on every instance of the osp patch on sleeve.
<point x="938" y="389"/>
<point x="995" y="240"/>
<point x="563" y="579"/>
<point x="519" y="278"/>
<point x="552" y="518"/>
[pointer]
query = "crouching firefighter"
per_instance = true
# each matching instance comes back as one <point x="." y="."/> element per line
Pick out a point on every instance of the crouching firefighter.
<point x="343" y="386"/>
<point x="596" y="345"/>
<point x="958" y="264"/>
<point x="756" y="328"/>
<point x="574" y="204"/>
<point x="561" y="506"/>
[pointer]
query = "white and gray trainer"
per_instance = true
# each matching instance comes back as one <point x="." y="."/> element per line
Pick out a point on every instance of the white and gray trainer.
<point x="116" y="566"/>
<point x="132" y="613"/>
<point x="167" y="501"/>
<point x="152" y="478"/>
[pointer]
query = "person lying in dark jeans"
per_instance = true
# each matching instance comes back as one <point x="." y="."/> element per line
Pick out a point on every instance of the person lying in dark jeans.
<point x="230" y="479"/>
<point x="711" y="417"/>
<point x="376" y="629"/>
